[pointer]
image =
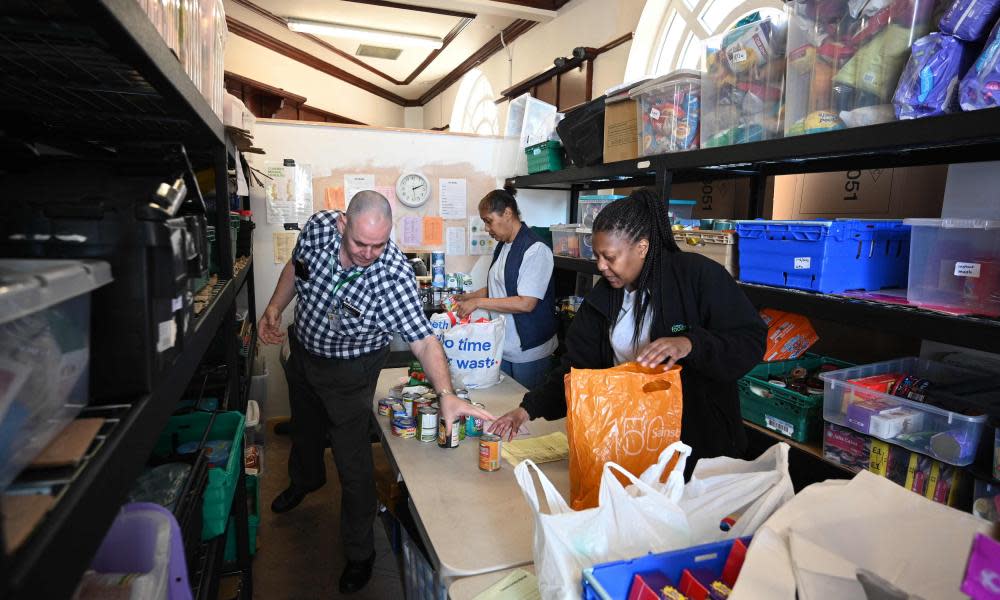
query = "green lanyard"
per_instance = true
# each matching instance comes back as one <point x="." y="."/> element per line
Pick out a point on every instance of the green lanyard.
<point x="346" y="280"/>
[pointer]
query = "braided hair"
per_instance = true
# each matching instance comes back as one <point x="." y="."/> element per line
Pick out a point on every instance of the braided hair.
<point x="641" y="216"/>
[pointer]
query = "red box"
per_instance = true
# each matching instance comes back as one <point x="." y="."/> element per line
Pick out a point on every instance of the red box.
<point x="788" y="335"/>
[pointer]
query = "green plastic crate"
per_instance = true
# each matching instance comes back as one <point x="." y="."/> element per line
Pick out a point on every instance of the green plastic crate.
<point x="546" y="156"/>
<point x="786" y="412"/>
<point x="234" y="231"/>
<point x="253" y="521"/>
<point x="221" y="482"/>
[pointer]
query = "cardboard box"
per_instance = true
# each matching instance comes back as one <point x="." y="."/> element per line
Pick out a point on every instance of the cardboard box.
<point x="869" y="194"/>
<point x="621" y="133"/>
<point x="716" y="199"/>
<point x="788" y="335"/>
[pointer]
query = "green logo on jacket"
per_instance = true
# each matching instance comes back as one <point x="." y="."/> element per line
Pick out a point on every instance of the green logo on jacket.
<point x="679" y="328"/>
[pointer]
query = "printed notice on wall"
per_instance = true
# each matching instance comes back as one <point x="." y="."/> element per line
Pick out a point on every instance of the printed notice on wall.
<point x="480" y="242"/>
<point x="288" y="193"/>
<point x="412" y="232"/>
<point x="433" y="231"/>
<point x="284" y="244"/>
<point x="357" y="182"/>
<point x="333" y="198"/>
<point x="388" y="192"/>
<point x="456" y="242"/>
<point x="453" y="198"/>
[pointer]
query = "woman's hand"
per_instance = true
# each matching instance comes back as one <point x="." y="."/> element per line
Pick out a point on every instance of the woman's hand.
<point x="509" y="424"/>
<point x="672" y="348"/>
<point x="269" y="328"/>
<point x="466" y="306"/>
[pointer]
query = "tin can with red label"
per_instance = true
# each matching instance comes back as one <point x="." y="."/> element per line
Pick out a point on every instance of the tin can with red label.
<point x="489" y="452"/>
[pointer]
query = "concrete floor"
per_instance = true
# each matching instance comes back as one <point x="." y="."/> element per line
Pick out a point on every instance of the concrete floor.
<point x="299" y="555"/>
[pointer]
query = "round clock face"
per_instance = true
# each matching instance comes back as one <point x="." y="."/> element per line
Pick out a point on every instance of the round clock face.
<point x="413" y="189"/>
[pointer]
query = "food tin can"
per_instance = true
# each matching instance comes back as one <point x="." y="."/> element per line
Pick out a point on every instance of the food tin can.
<point x="427" y="424"/>
<point x="474" y="425"/>
<point x="437" y="270"/>
<point x="444" y="439"/>
<point x="407" y="403"/>
<point x="385" y="406"/>
<point x="467" y="284"/>
<point x="418" y="404"/>
<point x="489" y="452"/>
<point x="404" y="427"/>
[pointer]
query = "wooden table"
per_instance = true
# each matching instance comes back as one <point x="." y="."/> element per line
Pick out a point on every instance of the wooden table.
<point x="472" y="522"/>
<point x="468" y="588"/>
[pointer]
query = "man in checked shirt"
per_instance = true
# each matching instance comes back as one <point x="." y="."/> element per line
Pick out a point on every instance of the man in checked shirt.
<point x="355" y="289"/>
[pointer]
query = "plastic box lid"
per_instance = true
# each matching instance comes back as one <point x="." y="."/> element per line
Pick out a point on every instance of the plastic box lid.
<point x="28" y="286"/>
<point x="584" y="230"/>
<point x="682" y="202"/>
<point x="954" y="223"/>
<point x="601" y="197"/>
<point x="570" y="228"/>
<point x="680" y="76"/>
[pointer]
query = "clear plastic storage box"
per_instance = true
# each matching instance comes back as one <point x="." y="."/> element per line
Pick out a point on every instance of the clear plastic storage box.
<point x="719" y="246"/>
<point x="680" y="210"/>
<point x="845" y="59"/>
<point x="44" y="352"/>
<point x="585" y="237"/>
<point x="588" y="207"/>
<point x="955" y="263"/>
<point x="862" y="398"/>
<point x="668" y="110"/>
<point x="742" y="88"/>
<point x="565" y="241"/>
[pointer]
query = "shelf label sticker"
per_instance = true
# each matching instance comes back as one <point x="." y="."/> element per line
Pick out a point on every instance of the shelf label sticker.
<point x="168" y="335"/>
<point x="803" y="262"/>
<point x="739" y="56"/>
<point x="964" y="269"/>
<point x="782" y="427"/>
<point x="654" y="113"/>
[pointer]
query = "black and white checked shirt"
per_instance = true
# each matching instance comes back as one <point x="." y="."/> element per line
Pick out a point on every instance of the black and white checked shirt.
<point x="384" y="293"/>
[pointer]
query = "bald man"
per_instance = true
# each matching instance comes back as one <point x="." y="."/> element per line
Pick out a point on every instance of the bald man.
<point x="355" y="290"/>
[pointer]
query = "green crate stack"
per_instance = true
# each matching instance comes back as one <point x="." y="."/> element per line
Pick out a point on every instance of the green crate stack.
<point x="789" y="413"/>
<point x="546" y="156"/>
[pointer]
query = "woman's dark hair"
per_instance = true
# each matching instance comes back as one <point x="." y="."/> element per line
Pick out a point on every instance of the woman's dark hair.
<point x="499" y="200"/>
<point x="641" y="216"/>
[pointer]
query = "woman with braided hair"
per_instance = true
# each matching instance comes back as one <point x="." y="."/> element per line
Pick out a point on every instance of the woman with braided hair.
<point x="657" y="304"/>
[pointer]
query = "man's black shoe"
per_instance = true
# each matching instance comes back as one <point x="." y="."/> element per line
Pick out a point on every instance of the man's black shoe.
<point x="288" y="499"/>
<point x="356" y="574"/>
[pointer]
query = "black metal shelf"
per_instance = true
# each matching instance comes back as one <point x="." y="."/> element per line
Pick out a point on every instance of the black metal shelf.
<point x="948" y="139"/>
<point x="580" y="265"/>
<point x="50" y="562"/>
<point x="96" y="71"/>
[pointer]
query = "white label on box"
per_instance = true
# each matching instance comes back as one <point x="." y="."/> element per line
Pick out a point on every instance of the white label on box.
<point x="739" y="56"/>
<point x="654" y="113"/>
<point x="168" y="335"/>
<point x="803" y="262"/>
<point x="782" y="427"/>
<point x="967" y="269"/>
<point x="177" y="304"/>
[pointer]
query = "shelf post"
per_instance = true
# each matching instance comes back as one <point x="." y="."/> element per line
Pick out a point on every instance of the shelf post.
<point x="664" y="180"/>
<point x="758" y="192"/>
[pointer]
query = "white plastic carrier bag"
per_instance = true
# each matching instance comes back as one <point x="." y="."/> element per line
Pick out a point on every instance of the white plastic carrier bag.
<point x="474" y="351"/>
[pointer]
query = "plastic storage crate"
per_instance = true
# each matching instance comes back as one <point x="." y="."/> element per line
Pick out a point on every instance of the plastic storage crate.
<point x="842" y="70"/>
<point x="794" y="415"/>
<point x="947" y="435"/>
<point x="582" y="133"/>
<point x="613" y="580"/>
<point x="546" y="156"/>
<point x="564" y="240"/>
<point x="824" y="256"/>
<point x="680" y="210"/>
<point x="719" y="246"/>
<point x="742" y="88"/>
<point x="221" y="486"/>
<point x="44" y="352"/>
<point x="253" y="521"/>
<point x="420" y="580"/>
<point x="585" y="240"/>
<point x="668" y="110"/>
<point x="588" y="207"/>
<point x="955" y="263"/>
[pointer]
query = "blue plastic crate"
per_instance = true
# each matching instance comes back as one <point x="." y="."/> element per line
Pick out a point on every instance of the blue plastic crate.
<point x="613" y="580"/>
<point x="825" y="256"/>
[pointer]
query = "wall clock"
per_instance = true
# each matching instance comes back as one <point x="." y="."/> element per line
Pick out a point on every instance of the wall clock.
<point x="413" y="189"/>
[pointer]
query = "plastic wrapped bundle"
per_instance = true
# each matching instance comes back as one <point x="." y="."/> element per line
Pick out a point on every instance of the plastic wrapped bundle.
<point x="980" y="88"/>
<point x="970" y="20"/>
<point x="928" y="86"/>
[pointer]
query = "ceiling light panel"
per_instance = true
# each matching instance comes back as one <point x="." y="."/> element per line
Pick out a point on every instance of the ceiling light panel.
<point x="364" y="34"/>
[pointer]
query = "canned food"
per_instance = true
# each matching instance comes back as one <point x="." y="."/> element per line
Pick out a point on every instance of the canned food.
<point x="427" y="424"/>
<point x="474" y="425"/>
<point x="404" y="427"/>
<point x="446" y="440"/>
<point x="385" y="406"/>
<point x="418" y="404"/>
<point x="489" y="452"/>
<point x="408" y="406"/>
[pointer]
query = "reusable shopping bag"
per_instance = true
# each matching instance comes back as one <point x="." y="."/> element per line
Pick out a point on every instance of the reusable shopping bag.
<point x="626" y="414"/>
<point x="623" y="525"/>
<point x="474" y="351"/>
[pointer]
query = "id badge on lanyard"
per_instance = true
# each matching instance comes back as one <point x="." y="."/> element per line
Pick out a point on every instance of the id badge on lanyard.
<point x="342" y="307"/>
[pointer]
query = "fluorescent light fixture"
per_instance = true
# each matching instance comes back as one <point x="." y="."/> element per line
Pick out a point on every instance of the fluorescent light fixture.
<point x="364" y="34"/>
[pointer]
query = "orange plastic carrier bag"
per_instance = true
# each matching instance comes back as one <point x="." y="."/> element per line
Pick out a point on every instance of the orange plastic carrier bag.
<point x="626" y="414"/>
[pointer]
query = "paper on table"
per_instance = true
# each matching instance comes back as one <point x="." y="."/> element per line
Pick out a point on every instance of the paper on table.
<point x="456" y="241"/>
<point x="433" y="231"/>
<point x="412" y="232"/>
<point x="452" y="196"/>
<point x="518" y="585"/>
<point x="547" y="448"/>
<point x="284" y="244"/>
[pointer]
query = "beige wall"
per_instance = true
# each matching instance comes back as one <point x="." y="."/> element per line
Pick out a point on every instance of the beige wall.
<point x="248" y="59"/>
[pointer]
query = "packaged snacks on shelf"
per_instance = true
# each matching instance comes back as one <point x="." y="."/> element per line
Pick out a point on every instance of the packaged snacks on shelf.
<point x="970" y="20"/>
<point x="980" y="88"/>
<point x="742" y="88"/>
<point x="929" y="83"/>
<point x="668" y="112"/>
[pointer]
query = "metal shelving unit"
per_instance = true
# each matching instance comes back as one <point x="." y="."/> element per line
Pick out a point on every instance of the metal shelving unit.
<point x="94" y="79"/>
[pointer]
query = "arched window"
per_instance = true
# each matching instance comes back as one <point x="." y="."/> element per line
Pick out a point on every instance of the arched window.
<point x="474" y="110"/>
<point x="671" y="33"/>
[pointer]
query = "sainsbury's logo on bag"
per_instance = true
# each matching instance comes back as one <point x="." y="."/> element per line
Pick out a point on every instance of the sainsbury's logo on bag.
<point x="474" y="351"/>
